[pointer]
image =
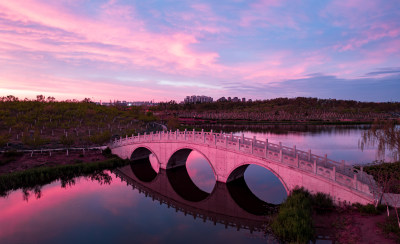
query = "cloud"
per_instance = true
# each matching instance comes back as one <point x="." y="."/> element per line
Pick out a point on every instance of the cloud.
<point x="384" y="71"/>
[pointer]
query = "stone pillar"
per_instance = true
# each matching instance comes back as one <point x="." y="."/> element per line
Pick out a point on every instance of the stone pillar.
<point x="315" y="166"/>
<point x="176" y="134"/>
<point x="251" y="147"/>
<point x="297" y="161"/>
<point x="294" y="150"/>
<point x="151" y="136"/>
<point x="309" y="155"/>
<point x="231" y="136"/>
<point x="194" y="134"/>
<point x="226" y="141"/>
<point x="185" y="134"/>
<point x="204" y="137"/>
<point x="355" y="181"/>
<point x="238" y="144"/>
<point x="138" y="136"/>
<point x="280" y="154"/>
<point x="266" y="148"/>
<point x="215" y="139"/>
<point x="334" y="173"/>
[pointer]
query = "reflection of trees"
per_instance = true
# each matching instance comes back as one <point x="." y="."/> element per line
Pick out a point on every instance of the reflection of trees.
<point x="386" y="134"/>
<point x="26" y="192"/>
<point x="35" y="188"/>
<point x="103" y="178"/>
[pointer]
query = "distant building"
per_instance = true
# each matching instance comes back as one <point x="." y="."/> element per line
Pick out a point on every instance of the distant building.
<point x="244" y="99"/>
<point x="229" y="99"/>
<point x="222" y="99"/>
<point x="235" y="99"/>
<point x="198" y="99"/>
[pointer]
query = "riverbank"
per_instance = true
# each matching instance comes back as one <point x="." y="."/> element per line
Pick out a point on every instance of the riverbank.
<point x="14" y="161"/>
<point x="34" y="178"/>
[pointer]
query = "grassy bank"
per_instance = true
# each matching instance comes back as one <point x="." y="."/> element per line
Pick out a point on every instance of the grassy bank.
<point x="37" y="177"/>
<point x="49" y="124"/>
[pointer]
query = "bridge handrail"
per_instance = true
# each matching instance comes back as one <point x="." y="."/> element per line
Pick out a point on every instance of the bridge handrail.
<point x="337" y="171"/>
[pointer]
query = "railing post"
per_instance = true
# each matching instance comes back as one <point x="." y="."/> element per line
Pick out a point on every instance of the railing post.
<point x="194" y="134"/>
<point x="176" y="134"/>
<point x="185" y="134"/>
<point x="251" y="146"/>
<point x="266" y="148"/>
<point x="326" y="159"/>
<point x="204" y="137"/>
<point x="280" y="152"/>
<point x="151" y="136"/>
<point x="215" y="139"/>
<point x="226" y="141"/>
<point x="161" y="134"/>
<point x="297" y="161"/>
<point x="355" y="181"/>
<point x="294" y="150"/>
<point x="243" y="138"/>
<point x="309" y="155"/>
<point x="315" y="166"/>
<point x="238" y="144"/>
<point x="334" y="172"/>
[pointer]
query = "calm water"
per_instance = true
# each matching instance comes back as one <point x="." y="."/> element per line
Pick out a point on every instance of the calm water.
<point x="130" y="210"/>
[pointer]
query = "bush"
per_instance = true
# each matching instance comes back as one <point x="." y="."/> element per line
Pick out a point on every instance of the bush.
<point x="322" y="203"/>
<point x="294" y="220"/>
<point x="370" y="208"/>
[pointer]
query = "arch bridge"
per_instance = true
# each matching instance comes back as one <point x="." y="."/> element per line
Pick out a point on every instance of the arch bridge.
<point x="230" y="155"/>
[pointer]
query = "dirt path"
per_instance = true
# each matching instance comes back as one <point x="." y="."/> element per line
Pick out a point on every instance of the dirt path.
<point x="351" y="226"/>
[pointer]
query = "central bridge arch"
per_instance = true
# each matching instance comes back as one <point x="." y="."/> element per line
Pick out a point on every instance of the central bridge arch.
<point x="228" y="156"/>
<point x="239" y="171"/>
<point x="179" y="178"/>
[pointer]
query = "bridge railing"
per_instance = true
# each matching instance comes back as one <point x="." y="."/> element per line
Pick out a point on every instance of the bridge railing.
<point x="337" y="171"/>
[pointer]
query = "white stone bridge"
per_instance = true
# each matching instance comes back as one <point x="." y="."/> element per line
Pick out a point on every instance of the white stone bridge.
<point x="229" y="156"/>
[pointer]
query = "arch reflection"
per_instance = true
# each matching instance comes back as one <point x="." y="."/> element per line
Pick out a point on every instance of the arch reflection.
<point x="218" y="207"/>
<point x="144" y="164"/>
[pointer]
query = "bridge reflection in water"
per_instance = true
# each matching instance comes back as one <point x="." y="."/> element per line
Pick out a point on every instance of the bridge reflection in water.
<point x="231" y="204"/>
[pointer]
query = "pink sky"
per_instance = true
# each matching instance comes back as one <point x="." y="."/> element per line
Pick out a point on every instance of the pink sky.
<point x="108" y="50"/>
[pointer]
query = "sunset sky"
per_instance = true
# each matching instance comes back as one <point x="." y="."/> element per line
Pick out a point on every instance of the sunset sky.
<point x="163" y="50"/>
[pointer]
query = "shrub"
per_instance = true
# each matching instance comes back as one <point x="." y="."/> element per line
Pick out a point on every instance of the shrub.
<point x="370" y="209"/>
<point x="322" y="203"/>
<point x="294" y="220"/>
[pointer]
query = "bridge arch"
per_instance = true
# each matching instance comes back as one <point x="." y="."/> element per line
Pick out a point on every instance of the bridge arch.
<point x="239" y="170"/>
<point x="180" y="179"/>
<point x="142" y="166"/>
<point x="186" y="151"/>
